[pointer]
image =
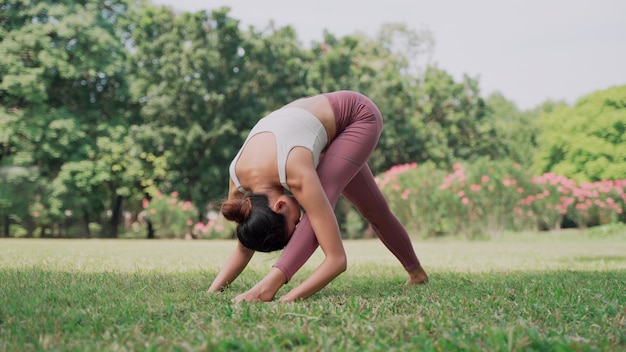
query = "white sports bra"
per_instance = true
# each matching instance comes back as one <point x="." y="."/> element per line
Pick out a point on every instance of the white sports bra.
<point x="292" y="127"/>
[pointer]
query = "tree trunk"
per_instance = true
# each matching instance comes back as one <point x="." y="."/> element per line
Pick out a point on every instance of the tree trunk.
<point x="6" y="226"/>
<point x="150" y="228"/>
<point x="116" y="216"/>
<point x="86" y="224"/>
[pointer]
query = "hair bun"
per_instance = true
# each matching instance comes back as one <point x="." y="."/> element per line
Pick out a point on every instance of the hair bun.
<point x="237" y="210"/>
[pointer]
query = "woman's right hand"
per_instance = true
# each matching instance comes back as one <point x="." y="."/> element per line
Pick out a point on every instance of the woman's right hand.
<point x="253" y="295"/>
<point x="265" y="290"/>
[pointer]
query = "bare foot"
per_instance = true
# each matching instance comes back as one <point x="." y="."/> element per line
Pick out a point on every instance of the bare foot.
<point x="417" y="276"/>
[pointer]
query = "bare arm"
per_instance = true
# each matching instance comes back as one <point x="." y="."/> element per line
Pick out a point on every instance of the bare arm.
<point x="308" y="190"/>
<point x="237" y="261"/>
<point x="234" y="265"/>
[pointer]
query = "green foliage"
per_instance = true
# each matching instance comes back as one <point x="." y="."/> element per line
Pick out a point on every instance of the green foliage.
<point x="17" y="188"/>
<point x="437" y="120"/>
<point x="612" y="229"/>
<point x="587" y="141"/>
<point x="62" y="90"/>
<point x="517" y="130"/>
<point x="456" y="120"/>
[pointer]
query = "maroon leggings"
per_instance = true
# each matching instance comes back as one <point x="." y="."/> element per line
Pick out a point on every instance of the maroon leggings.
<point x="343" y="170"/>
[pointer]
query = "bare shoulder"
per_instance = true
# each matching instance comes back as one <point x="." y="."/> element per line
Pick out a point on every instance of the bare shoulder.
<point x="233" y="192"/>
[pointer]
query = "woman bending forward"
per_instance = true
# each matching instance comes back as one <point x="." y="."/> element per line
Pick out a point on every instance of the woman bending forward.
<point x="317" y="148"/>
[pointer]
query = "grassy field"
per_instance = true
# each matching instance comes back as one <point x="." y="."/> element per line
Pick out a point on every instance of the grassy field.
<point x="548" y="292"/>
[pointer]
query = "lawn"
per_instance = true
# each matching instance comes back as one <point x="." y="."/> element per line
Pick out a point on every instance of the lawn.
<point x="544" y="291"/>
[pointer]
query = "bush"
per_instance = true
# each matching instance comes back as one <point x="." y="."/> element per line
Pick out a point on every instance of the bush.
<point x="487" y="198"/>
<point x="608" y="230"/>
<point x="412" y="193"/>
<point x="482" y="196"/>
<point x="597" y="203"/>
<point x="215" y="227"/>
<point x="171" y="217"/>
<point x="472" y="200"/>
<point x="175" y="218"/>
<point x="547" y="200"/>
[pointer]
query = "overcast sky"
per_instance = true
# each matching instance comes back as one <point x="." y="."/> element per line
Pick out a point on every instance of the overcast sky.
<point x="529" y="50"/>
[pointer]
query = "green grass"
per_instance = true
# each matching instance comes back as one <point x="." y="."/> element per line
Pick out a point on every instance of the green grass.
<point x="547" y="292"/>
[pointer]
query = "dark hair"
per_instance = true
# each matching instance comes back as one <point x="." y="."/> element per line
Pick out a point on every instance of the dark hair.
<point x="258" y="227"/>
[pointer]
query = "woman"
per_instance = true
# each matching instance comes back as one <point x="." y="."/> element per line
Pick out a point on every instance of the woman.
<point x="284" y="151"/>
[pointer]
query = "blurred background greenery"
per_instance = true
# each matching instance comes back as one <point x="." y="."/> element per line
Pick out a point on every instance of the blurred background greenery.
<point x="119" y="118"/>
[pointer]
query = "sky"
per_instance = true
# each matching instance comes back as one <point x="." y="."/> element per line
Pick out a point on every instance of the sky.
<point x="528" y="50"/>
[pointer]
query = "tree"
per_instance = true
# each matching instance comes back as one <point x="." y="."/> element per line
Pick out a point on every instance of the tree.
<point x="586" y="142"/>
<point x="62" y="87"/>
<point x="276" y="68"/>
<point x="17" y="188"/>
<point x="439" y="120"/>
<point x="517" y="130"/>
<point x="202" y="83"/>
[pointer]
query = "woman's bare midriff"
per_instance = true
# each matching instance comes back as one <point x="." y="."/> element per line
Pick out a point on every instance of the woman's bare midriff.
<point x="319" y="106"/>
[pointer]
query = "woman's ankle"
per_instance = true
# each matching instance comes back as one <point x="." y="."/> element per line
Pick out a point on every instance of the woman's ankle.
<point x="417" y="276"/>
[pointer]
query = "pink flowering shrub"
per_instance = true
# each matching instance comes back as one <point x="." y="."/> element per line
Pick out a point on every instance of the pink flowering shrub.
<point x="481" y="197"/>
<point x="214" y="227"/>
<point x="170" y="216"/>
<point x="175" y="218"/>
<point x="547" y="200"/>
<point x="412" y="195"/>
<point x="555" y="198"/>
<point x="619" y="194"/>
<point x="487" y="198"/>
<point x="597" y="203"/>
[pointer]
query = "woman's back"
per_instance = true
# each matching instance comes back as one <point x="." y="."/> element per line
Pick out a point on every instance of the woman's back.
<point x="257" y="163"/>
<point x="263" y="158"/>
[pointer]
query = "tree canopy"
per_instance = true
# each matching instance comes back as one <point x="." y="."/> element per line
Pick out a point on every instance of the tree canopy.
<point x="586" y="142"/>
